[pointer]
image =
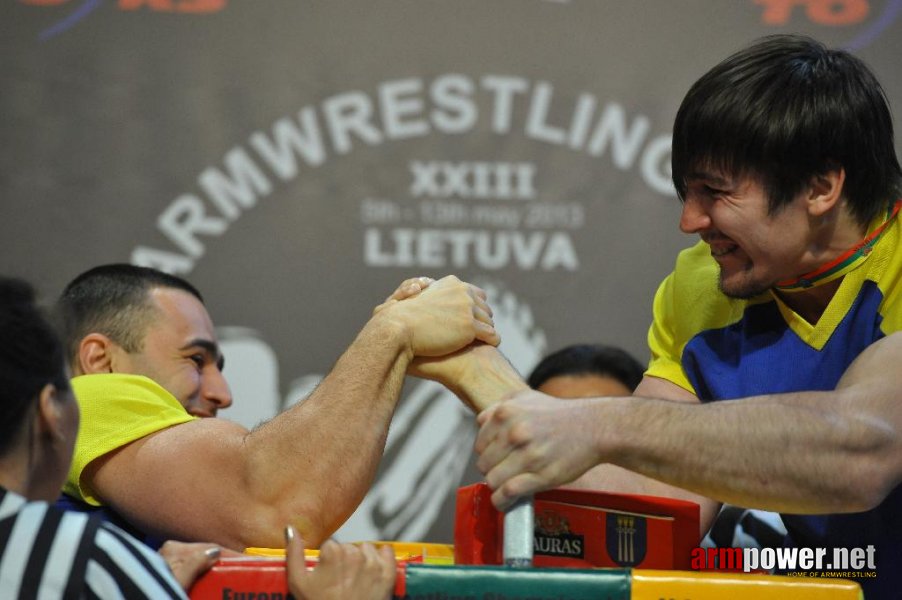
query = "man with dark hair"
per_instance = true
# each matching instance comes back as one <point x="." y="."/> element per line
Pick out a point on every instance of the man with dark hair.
<point x="774" y="379"/>
<point x="114" y="302"/>
<point x="145" y="354"/>
<point x="596" y="368"/>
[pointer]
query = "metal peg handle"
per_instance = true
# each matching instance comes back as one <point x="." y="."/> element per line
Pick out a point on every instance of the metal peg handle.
<point x="519" y="529"/>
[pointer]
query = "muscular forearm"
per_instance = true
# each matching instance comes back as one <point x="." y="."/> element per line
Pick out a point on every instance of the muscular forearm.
<point x="338" y="434"/>
<point x="801" y="453"/>
<point x="314" y="463"/>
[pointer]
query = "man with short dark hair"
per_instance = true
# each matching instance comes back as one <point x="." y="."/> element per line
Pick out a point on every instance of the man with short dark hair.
<point x="145" y="354"/>
<point x="774" y="379"/>
<point x="119" y="303"/>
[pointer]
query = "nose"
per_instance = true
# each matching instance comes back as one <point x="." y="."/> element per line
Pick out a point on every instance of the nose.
<point x="695" y="217"/>
<point x="216" y="389"/>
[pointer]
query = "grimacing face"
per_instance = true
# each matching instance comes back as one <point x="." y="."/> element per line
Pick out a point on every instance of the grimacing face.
<point x="753" y="248"/>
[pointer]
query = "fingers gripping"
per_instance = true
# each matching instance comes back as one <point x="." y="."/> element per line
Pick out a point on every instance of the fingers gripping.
<point x="446" y="317"/>
<point x="513" y="454"/>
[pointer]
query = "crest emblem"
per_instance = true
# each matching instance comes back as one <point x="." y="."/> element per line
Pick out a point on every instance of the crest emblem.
<point x="626" y="539"/>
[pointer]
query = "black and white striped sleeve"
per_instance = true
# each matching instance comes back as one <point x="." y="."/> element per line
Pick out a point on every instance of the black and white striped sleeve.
<point x="120" y="562"/>
<point x="48" y="553"/>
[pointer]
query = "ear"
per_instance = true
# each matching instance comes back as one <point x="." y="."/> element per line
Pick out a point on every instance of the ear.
<point x="50" y="415"/>
<point x="95" y="354"/>
<point x="825" y="191"/>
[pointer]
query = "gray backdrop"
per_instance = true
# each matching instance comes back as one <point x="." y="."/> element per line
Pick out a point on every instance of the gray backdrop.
<point x="296" y="160"/>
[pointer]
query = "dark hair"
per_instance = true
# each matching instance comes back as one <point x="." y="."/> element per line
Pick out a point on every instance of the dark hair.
<point x="113" y="300"/>
<point x="31" y="356"/>
<point x="786" y="109"/>
<point x="588" y="359"/>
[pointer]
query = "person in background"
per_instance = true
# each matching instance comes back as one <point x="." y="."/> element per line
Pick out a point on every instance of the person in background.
<point x="587" y="370"/>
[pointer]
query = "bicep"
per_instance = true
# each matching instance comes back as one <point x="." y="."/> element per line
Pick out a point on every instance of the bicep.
<point x="656" y="387"/>
<point x="868" y="395"/>
<point x="184" y="482"/>
<point x="869" y="388"/>
<point x="877" y="366"/>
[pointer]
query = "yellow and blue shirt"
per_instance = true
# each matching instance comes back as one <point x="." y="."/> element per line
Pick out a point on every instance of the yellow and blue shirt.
<point x="721" y="348"/>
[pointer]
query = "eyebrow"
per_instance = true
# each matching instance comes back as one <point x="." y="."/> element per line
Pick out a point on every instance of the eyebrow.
<point x="711" y="178"/>
<point x="209" y="347"/>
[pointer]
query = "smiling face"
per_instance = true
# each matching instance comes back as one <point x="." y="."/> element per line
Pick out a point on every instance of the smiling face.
<point x="754" y="249"/>
<point x="180" y="352"/>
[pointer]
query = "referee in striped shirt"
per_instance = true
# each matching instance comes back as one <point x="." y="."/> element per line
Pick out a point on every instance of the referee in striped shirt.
<point x="44" y="551"/>
<point x="48" y="553"/>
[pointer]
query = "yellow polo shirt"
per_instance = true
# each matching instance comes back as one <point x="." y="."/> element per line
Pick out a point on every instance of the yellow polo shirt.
<point x="116" y="410"/>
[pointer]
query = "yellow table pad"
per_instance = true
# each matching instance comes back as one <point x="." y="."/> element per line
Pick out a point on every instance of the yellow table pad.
<point x="688" y="585"/>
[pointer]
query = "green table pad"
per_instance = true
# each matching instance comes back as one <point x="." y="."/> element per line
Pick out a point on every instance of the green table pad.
<point x="439" y="582"/>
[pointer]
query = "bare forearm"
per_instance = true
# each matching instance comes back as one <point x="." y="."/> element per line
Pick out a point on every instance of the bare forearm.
<point x="488" y="381"/>
<point x="328" y="448"/>
<point x="479" y="375"/>
<point x="804" y="452"/>
<point x="608" y="477"/>
<point x="786" y="452"/>
<point x="317" y="460"/>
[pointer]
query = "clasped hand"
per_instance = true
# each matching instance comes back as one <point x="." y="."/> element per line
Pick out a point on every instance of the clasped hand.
<point x="532" y="442"/>
<point x="443" y="318"/>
